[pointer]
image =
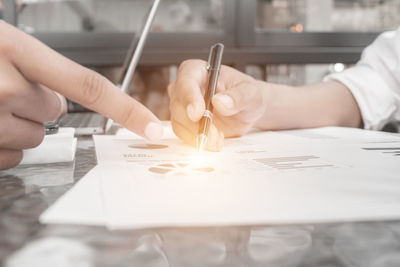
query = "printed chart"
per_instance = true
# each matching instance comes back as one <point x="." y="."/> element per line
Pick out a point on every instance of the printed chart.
<point x="294" y="162"/>
<point x="179" y="169"/>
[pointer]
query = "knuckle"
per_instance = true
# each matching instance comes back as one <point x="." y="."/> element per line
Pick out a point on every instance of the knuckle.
<point x="128" y="115"/>
<point x="189" y="63"/>
<point x="93" y="88"/>
<point x="239" y="98"/>
<point x="185" y="64"/>
<point x="51" y="110"/>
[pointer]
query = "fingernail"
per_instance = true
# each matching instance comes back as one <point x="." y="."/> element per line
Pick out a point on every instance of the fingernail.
<point x="225" y="100"/>
<point x="153" y="131"/>
<point x="190" y="111"/>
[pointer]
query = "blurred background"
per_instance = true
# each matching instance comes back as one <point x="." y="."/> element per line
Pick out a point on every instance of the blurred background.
<point x="292" y="42"/>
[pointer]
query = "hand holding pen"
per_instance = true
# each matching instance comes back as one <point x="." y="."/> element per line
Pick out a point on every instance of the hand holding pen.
<point x="213" y="67"/>
<point x="237" y="105"/>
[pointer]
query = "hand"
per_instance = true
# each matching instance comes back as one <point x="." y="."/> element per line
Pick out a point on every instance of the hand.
<point x="31" y="73"/>
<point x="238" y="103"/>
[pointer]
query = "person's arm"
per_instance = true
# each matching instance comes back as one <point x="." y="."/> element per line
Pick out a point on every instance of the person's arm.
<point x="31" y="72"/>
<point x="314" y="105"/>
<point x="366" y="95"/>
<point x="242" y="102"/>
<point x="375" y="81"/>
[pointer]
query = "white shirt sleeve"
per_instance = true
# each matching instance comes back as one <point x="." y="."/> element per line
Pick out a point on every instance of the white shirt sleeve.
<point x="375" y="81"/>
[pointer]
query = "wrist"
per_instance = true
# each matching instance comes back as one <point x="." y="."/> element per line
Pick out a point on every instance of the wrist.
<point x="269" y="94"/>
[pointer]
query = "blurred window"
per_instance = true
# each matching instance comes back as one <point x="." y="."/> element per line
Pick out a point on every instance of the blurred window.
<point x="328" y="15"/>
<point x="119" y="15"/>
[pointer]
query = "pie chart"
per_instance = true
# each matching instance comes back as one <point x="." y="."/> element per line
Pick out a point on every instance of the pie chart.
<point x="148" y="146"/>
<point x="179" y="169"/>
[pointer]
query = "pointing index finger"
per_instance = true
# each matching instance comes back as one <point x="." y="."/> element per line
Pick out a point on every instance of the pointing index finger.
<point x="42" y="65"/>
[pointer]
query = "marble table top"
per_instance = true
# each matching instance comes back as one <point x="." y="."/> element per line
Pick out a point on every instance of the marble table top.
<point x="26" y="191"/>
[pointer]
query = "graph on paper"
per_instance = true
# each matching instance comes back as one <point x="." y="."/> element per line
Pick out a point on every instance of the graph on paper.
<point x="295" y="162"/>
<point x="394" y="151"/>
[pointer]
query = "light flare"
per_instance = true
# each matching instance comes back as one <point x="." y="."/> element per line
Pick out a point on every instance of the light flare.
<point x="197" y="159"/>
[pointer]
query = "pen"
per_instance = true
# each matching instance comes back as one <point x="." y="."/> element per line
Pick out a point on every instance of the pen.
<point x="213" y="67"/>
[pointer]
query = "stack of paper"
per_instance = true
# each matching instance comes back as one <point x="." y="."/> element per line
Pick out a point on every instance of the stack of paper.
<point x="55" y="148"/>
<point x="308" y="176"/>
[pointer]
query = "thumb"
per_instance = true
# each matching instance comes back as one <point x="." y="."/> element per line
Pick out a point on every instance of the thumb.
<point x="241" y="97"/>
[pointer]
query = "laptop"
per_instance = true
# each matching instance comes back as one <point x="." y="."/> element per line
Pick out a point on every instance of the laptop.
<point x="88" y="122"/>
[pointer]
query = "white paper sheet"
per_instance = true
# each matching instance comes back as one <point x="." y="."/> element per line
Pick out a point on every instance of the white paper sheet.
<point x="346" y="135"/>
<point x="54" y="148"/>
<point x="256" y="151"/>
<point x="135" y="199"/>
<point x="262" y="178"/>
<point x="80" y="205"/>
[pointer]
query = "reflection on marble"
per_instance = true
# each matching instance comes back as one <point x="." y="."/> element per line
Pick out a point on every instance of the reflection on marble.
<point x="279" y="245"/>
<point x="20" y="209"/>
<point x="44" y="174"/>
<point x="148" y="251"/>
<point x="26" y="191"/>
<point x="376" y="245"/>
<point x="181" y="246"/>
<point x="52" y="251"/>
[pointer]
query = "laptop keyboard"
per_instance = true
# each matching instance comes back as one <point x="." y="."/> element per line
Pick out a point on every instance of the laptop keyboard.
<point x="82" y="120"/>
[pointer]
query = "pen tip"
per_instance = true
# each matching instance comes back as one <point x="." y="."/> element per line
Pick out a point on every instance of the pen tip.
<point x="200" y="142"/>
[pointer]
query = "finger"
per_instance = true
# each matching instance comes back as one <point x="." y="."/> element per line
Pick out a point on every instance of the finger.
<point x="188" y="130"/>
<point x="183" y="133"/>
<point x="17" y="133"/>
<point x="39" y="105"/>
<point x="187" y="88"/>
<point x="179" y="115"/>
<point x="214" y="139"/>
<point x="243" y="96"/>
<point x="9" y="158"/>
<point x="231" y="126"/>
<point x="25" y="99"/>
<point x="42" y="65"/>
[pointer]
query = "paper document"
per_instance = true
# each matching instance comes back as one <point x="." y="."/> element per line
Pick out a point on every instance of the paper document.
<point x="80" y="205"/>
<point x="55" y="148"/>
<point x="261" y="178"/>
<point x="134" y="199"/>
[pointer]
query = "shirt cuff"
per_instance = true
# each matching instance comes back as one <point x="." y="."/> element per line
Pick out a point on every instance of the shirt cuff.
<point x="374" y="98"/>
